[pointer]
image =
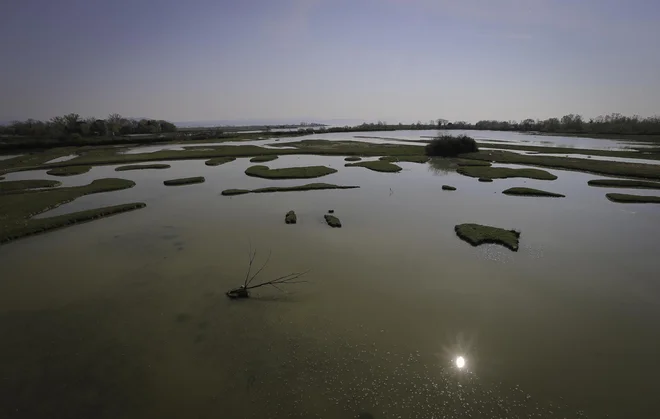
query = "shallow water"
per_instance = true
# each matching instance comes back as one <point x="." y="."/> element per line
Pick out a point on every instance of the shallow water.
<point x="126" y="317"/>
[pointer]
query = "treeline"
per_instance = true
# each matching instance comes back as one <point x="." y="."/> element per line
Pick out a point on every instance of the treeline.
<point x="574" y="124"/>
<point x="72" y="127"/>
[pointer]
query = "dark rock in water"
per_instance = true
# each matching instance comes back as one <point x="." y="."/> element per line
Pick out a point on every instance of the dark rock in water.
<point x="448" y="188"/>
<point x="290" y="217"/>
<point x="331" y="211"/>
<point x="485" y="179"/>
<point x="239" y="292"/>
<point x="332" y="221"/>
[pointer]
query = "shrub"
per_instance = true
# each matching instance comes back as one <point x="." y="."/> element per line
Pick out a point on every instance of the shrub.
<point x="450" y="146"/>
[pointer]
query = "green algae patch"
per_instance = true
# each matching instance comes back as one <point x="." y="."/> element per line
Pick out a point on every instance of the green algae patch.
<point x="262" y="159"/>
<point x="219" y="160"/>
<point x="377" y="166"/>
<point x="332" y="221"/>
<point x="17" y="209"/>
<point x="308" y="187"/>
<point x="633" y="199"/>
<point x="477" y="234"/>
<point x="353" y="158"/>
<point x="504" y="172"/>
<point x="22" y="185"/>
<point x="624" y="183"/>
<point x="141" y="167"/>
<point x="290" y="217"/>
<point x="448" y="188"/>
<point x="184" y="181"/>
<point x="519" y="191"/>
<point x="304" y="172"/>
<point x="69" y="170"/>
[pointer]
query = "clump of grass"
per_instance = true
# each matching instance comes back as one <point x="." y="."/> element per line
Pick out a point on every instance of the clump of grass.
<point x="633" y="199"/>
<point x="624" y="183"/>
<point x="262" y="159"/>
<point x="377" y="166"/>
<point x="184" y="181"/>
<point x="531" y="192"/>
<point x="290" y="217"/>
<point x="69" y="171"/>
<point x="219" y="160"/>
<point x="451" y="146"/>
<point x="305" y="172"/>
<point x="17" y="209"/>
<point x="232" y="192"/>
<point x="504" y="172"/>
<point x="448" y="188"/>
<point x="142" y="167"/>
<point x="332" y="221"/>
<point x="477" y="234"/>
<point x="410" y="159"/>
<point x="22" y="185"/>
<point x="353" y="158"/>
<point x="308" y="187"/>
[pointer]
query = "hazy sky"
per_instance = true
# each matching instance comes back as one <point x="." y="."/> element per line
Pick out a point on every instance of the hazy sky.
<point x="396" y="60"/>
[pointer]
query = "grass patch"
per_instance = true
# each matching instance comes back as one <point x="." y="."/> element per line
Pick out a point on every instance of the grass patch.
<point x="308" y="187"/>
<point x="477" y="234"/>
<point x="410" y="159"/>
<point x="69" y="170"/>
<point x="504" y="172"/>
<point x="448" y="188"/>
<point x="142" y="167"/>
<point x="633" y="199"/>
<point x="377" y="166"/>
<point x="531" y="192"/>
<point x="353" y="158"/>
<point x="348" y="148"/>
<point x="638" y="154"/>
<point x="16" y="209"/>
<point x="450" y="146"/>
<point x="624" y="183"/>
<point x="609" y="168"/>
<point x="332" y="221"/>
<point x="290" y="217"/>
<point x="22" y="185"/>
<point x="219" y="160"/>
<point x="466" y="162"/>
<point x="184" y="181"/>
<point x="262" y="159"/>
<point x="304" y="172"/>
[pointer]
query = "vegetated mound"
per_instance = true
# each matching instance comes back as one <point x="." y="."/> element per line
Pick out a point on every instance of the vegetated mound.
<point x="304" y="172"/>
<point x="450" y="146"/>
<point x="504" y="172"/>
<point x="377" y="166"/>
<point x="633" y="199"/>
<point x="477" y="234"/>
<point x="520" y="191"/>
<point x="141" y="167"/>
<point x="308" y="187"/>
<point x="624" y="183"/>
<point x="184" y="181"/>
<point x="69" y="170"/>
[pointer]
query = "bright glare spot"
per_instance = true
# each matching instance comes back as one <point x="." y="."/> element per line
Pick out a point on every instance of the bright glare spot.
<point x="460" y="362"/>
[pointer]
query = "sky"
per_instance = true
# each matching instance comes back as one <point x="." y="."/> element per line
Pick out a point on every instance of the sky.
<point x="390" y="60"/>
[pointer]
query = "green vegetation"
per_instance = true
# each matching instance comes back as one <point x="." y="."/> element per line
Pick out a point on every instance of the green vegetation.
<point x="448" y="188"/>
<point x="450" y="146"/>
<point x="219" y="160"/>
<point x="332" y="221"/>
<point x="308" y="187"/>
<point x="16" y="209"/>
<point x="504" y="172"/>
<point x="262" y="159"/>
<point x="610" y="168"/>
<point x="69" y="170"/>
<point x="355" y="148"/>
<point x="377" y="166"/>
<point x="466" y="162"/>
<point x="531" y="192"/>
<point x="624" y="183"/>
<point x="290" y="217"/>
<point x="353" y="158"/>
<point x="35" y="159"/>
<point x="184" y="181"/>
<point x="410" y="159"/>
<point x="142" y="167"/>
<point x="477" y="234"/>
<point x="485" y="179"/>
<point x="647" y="154"/>
<point x="21" y="185"/>
<point x="304" y="172"/>
<point x="633" y="199"/>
